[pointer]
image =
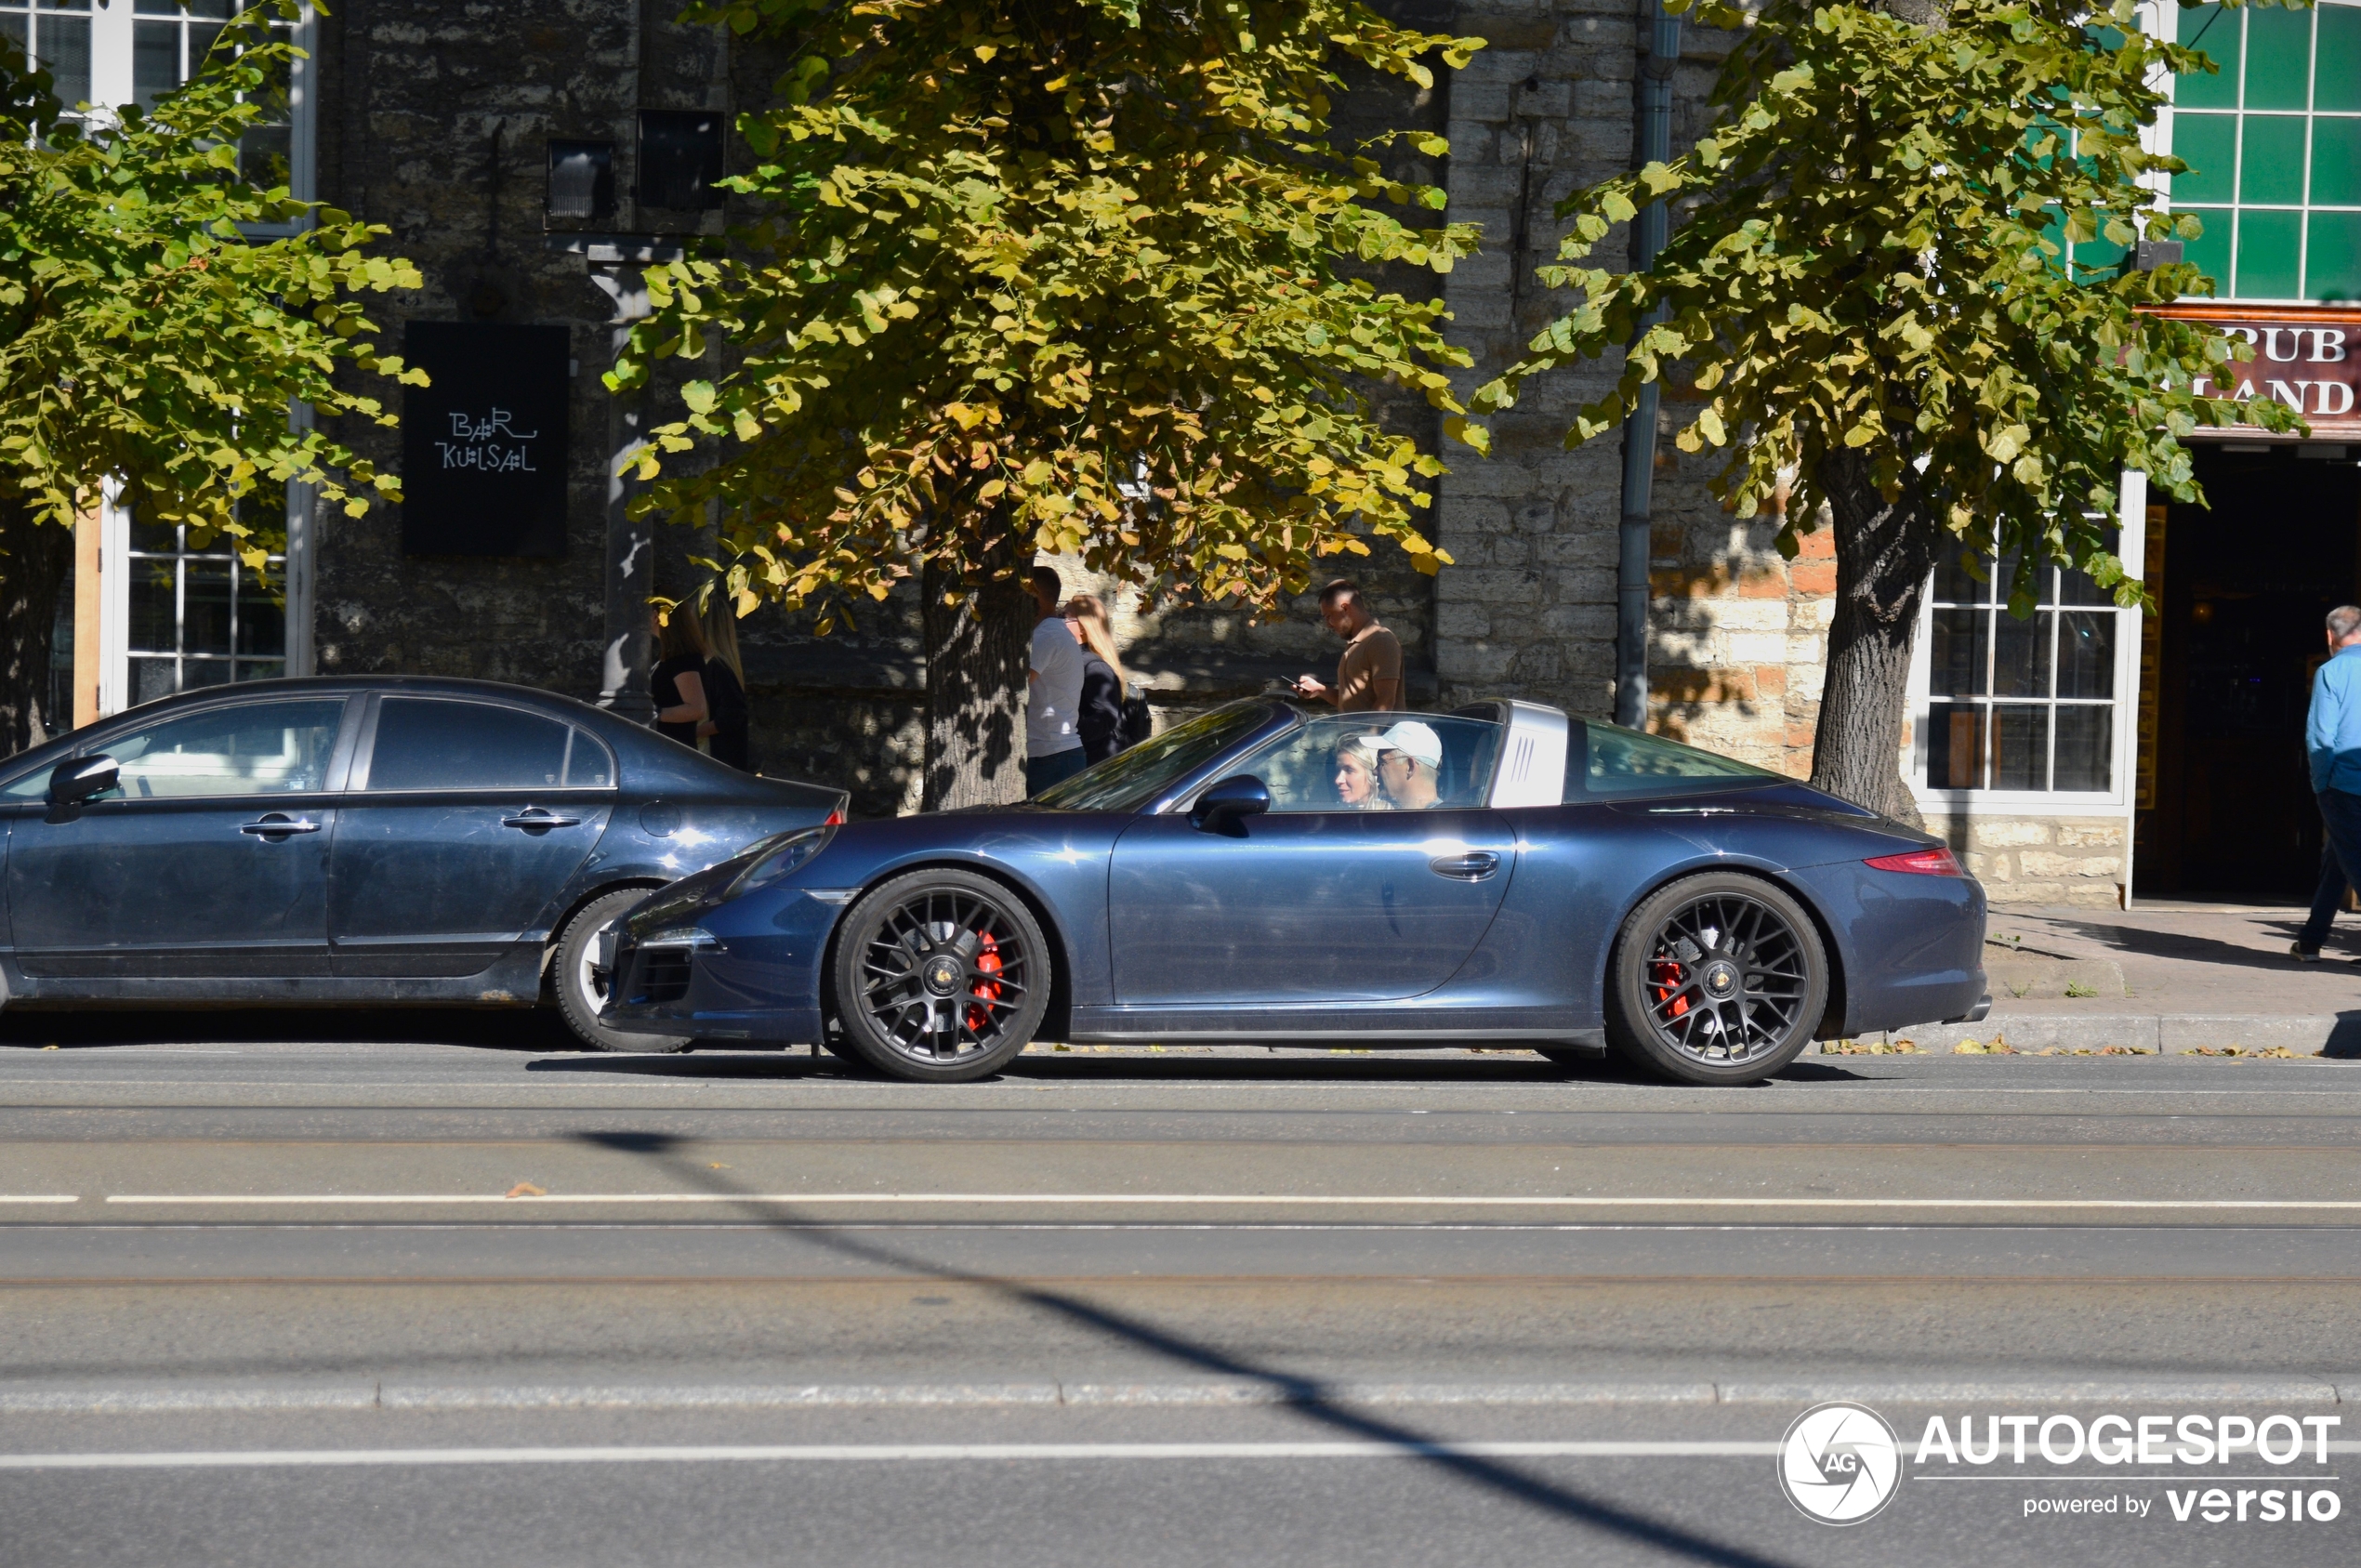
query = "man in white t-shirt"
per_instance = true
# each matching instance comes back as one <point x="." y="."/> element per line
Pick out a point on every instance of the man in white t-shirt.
<point x="1053" y="692"/>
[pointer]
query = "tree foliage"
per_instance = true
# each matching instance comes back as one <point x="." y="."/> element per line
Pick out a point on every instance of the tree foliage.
<point x="1869" y="266"/>
<point x="147" y="333"/>
<point x="1074" y="275"/>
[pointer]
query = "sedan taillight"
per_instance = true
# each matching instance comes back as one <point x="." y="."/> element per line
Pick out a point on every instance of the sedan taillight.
<point x="1937" y="862"/>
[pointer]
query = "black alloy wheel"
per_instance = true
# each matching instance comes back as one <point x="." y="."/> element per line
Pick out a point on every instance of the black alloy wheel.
<point x="940" y="976"/>
<point x="1717" y="979"/>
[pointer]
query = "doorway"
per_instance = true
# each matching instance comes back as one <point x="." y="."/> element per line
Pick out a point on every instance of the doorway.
<point x="2247" y="584"/>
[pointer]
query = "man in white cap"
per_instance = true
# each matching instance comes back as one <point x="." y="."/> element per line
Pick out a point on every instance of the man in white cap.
<point x="1409" y="765"/>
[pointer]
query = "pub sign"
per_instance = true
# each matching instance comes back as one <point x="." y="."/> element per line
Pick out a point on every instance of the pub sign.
<point x="2308" y="358"/>
<point x="483" y="449"/>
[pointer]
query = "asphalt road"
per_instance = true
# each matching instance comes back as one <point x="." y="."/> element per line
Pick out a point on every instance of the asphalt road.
<point x="437" y="1293"/>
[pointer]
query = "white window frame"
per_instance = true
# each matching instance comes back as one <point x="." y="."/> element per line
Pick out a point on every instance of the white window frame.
<point x="2114" y="800"/>
<point x="112" y="82"/>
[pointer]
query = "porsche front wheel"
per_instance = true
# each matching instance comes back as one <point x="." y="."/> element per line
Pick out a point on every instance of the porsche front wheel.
<point x="940" y="976"/>
<point x="1717" y="979"/>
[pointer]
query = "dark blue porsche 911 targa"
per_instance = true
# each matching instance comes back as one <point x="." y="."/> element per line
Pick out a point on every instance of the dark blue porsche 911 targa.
<point x="1262" y="874"/>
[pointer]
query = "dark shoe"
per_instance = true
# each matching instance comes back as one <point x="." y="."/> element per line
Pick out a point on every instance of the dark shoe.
<point x="2304" y="955"/>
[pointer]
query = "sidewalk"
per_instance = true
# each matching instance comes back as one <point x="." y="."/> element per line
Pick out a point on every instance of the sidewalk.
<point x="2163" y="977"/>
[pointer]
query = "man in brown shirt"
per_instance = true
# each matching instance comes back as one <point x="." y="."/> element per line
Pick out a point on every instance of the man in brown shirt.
<point x="1369" y="676"/>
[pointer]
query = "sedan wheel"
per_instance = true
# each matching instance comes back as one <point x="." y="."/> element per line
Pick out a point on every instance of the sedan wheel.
<point x="940" y="976"/>
<point x="1719" y="979"/>
<point x="582" y="985"/>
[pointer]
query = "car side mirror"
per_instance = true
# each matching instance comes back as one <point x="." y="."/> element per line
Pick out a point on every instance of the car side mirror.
<point x="82" y="778"/>
<point x="1221" y="807"/>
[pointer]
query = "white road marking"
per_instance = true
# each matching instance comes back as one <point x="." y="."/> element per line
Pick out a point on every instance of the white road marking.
<point x="1374" y="1200"/>
<point x="873" y="1453"/>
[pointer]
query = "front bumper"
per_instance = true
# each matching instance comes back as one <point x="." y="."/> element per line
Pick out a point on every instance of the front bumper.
<point x="745" y="973"/>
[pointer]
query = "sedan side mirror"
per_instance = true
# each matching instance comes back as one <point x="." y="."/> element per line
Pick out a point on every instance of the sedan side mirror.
<point x="82" y="778"/>
<point x="1221" y="807"/>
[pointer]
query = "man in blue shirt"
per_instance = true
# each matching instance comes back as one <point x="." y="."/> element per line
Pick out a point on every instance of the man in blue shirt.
<point x="2332" y="739"/>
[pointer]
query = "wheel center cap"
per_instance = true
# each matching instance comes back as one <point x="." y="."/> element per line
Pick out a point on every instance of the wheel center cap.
<point x="942" y="974"/>
<point x="1722" y="979"/>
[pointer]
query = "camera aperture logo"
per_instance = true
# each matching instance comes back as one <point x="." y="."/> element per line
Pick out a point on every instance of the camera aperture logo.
<point x="1839" y="1463"/>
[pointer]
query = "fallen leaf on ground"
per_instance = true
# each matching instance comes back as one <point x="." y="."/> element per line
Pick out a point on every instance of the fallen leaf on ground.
<point x="527" y="1189"/>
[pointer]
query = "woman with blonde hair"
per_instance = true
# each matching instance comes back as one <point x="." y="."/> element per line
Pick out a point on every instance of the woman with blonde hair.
<point x="725" y="680"/>
<point x="1099" y="716"/>
<point x="678" y="681"/>
<point x="1356" y="776"/>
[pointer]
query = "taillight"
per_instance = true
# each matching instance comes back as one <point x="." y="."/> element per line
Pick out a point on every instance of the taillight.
<point x="1937" y="862"/>
<point x="836" y="818"/>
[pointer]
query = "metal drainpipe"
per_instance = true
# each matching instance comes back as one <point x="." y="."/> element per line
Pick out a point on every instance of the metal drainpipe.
<point x="1639" y="429"/>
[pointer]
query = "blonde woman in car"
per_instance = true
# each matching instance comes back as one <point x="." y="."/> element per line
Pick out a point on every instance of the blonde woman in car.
<point x="1356" y="775"/>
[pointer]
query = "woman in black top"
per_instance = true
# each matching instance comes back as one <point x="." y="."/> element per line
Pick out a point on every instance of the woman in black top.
<point x="1097" y="718"/>
<point x="725" y="731"/>
<point x="678" y="681"/>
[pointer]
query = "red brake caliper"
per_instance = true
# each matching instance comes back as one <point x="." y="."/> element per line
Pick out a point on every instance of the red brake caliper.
<point x="1663" y="978"/>
<point x="987" y="962"/>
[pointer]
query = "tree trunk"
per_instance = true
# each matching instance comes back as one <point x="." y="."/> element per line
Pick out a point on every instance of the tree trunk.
<point x="979" y="651"/>
<point x="36" y="558"/>
<point x="1885" y="551"/>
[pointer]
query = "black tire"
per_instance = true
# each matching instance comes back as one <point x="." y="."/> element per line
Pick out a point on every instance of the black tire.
<point x="1716" y="979"/>
<point x="582" y="986"/>
<point x="938" y="948"/>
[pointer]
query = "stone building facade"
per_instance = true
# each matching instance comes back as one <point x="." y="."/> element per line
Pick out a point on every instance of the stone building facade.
<point x="443" y="121"/>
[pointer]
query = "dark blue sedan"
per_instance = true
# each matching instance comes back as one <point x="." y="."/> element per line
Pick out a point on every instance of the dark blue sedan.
<point x="319" y="842"/>
<point x="1262" y="874"/>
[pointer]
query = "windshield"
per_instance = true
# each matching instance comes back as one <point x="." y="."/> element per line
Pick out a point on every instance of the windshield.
<point x="1131" y="778"/>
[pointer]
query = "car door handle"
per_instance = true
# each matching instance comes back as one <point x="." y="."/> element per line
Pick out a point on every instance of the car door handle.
<point x="533" y="817"/>
<point x="1474" y="866"/>
<point x="276" y="826"/>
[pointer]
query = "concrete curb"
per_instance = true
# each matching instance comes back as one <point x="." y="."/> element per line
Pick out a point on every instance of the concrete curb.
<point x="2150" y="1034"/>
<point x="2275" y="1391"/>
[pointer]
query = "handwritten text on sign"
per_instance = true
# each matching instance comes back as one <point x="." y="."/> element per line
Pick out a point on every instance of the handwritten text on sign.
<point x="487" y="443"/>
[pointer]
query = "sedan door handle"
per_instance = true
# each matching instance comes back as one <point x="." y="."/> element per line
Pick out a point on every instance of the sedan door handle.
<point x="274" y="825"/>
<point x="534" y="817"/>
<point x="1473" y="866"/>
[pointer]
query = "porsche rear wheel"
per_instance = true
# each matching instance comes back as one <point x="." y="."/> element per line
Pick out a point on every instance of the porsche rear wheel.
<point x="940" y="977"/>
<point x="1717" y="979"/>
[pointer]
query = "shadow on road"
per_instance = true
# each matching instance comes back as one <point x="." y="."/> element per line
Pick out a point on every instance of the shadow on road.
<point x="506" y="1029"/>
<point x="1309" y="1397"/>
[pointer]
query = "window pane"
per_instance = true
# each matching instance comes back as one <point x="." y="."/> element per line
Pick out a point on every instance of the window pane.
<point x="204" y="672"/>
<point x="259" y="748"/>
<point x="2020" y="747"/>
<point x="428" y="745"/>
<point x="2271" y="161"/>
<point x="12" y="28"/>
<point x="1627" y="762"/>
<point x="261" y="669"/>
<point x="2336" y="81"/>
<point x="1956" y="655"/>
<point x="1952" y="584"/>
<point x="262" y="622"/>
<point x="151" y="679"/>
<point x="2211" y="250"/>
<point x="155" y="60"/>
<point x="2208" y="144"/>
<point x="2216" y="31"/>
<point x="204" y="606"/>
<point x="2336" y="161"/>
<point x="2085" y="653"/>
<point x="2267" y="254"/>
<point x="1954" y="747"/>
<point x="2021" y="655"/>
<point x="2278" y="59"/>
<point x="154" y="608"/>
<point x="2335" y="272"/>
<point x="2085" y="745"/>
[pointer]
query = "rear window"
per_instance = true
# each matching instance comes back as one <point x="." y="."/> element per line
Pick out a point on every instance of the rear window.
<point x="1607" y="762"/>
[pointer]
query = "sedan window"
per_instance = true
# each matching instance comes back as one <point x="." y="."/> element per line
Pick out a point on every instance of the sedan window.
<point x="257" y="748"/>
<point x="427" y="743"/>
<point x="1378" y="762"/>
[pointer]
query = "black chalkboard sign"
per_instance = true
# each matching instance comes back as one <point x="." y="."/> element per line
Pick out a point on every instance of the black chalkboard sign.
<point x="483" y="449"/>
